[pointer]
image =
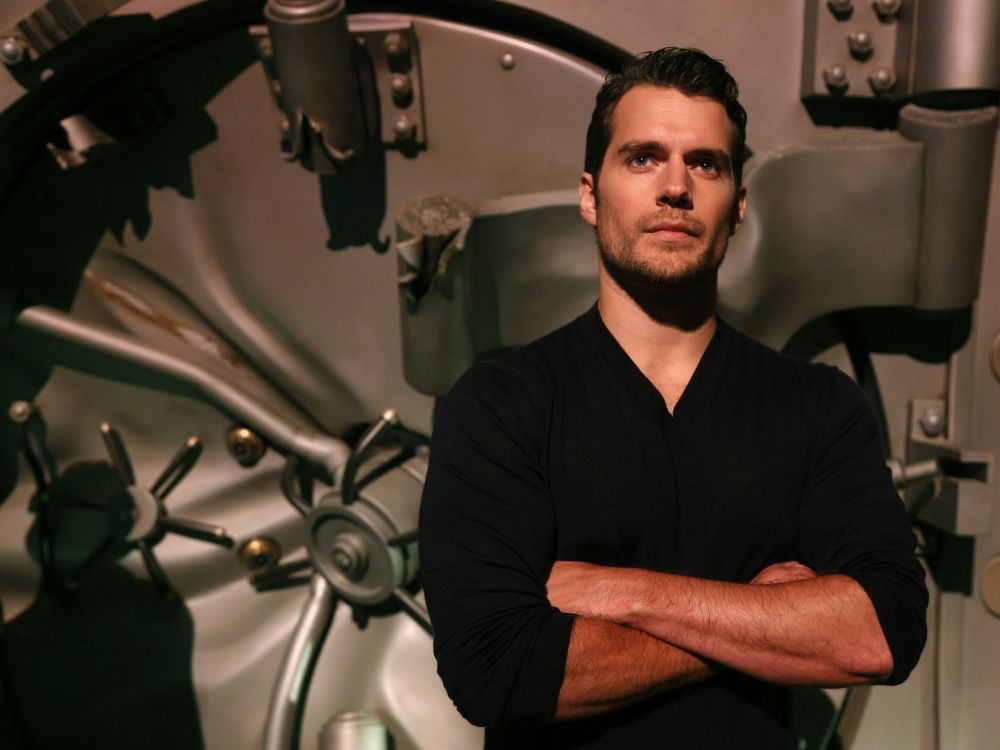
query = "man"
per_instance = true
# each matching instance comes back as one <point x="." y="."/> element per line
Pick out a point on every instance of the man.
<point x="637" y="529"/>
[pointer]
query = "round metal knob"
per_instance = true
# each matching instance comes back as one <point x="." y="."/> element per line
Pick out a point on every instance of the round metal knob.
<point x="246" y="446"/>
<point x="259" y="554"/>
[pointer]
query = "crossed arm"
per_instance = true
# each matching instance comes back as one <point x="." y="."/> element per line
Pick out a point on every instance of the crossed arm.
<point x="639" y="633"/>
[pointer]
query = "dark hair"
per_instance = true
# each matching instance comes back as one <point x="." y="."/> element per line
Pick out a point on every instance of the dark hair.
<point x="691" y="72"/>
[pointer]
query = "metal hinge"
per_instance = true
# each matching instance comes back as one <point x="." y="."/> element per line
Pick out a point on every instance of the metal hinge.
<point x="956" y="497"/>
<point x="50" y="26"/>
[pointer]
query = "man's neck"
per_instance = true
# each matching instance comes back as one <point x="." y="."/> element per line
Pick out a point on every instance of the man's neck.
<point x="664" y="336"/>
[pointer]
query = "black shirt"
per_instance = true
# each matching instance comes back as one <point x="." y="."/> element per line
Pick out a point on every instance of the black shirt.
<point x="563" y="450"/>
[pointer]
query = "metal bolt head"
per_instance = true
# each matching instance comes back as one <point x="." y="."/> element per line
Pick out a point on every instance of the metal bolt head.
<point x="246" y="446"/>
<point x="860" y="43"/>
<point x="11" y="51"/>
<point x="932" y="421"/>
<point x="836" y="77"/>
<point x="840" y="7"/>
<point x="395" y="45"/>
<point x="401" y="86"/>
<point x="349" y="555"/>
<point x="882" y="80"/>
<point x="19" y="411"/>
<point x="888" y="8"/>
<point x="405" y="128"/>
<point x="260" y="553"/>
<point x="507" y="61"/>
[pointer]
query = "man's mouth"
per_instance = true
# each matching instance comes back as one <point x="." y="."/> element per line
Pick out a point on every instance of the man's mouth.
<point x="673" y="229"/>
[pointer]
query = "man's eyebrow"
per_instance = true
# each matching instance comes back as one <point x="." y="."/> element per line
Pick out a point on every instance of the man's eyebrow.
<point x="635" y="147"/>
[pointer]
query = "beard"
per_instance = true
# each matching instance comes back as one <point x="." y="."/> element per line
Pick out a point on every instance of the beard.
<point x="673" y="282"/>
<point x="667" y="269"/>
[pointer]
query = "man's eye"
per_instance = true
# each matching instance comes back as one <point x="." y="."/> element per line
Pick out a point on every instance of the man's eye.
<point x="705" y="165"/>
<point x="640" y="160"/>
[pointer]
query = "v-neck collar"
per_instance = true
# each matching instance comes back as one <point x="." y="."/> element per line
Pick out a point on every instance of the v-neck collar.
<point x="703" y="380"/>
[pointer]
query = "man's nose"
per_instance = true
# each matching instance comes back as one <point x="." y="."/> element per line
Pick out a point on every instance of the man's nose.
<point x="675" y="187"/>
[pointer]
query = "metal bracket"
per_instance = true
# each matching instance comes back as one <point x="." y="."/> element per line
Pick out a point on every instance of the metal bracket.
<point x="856" y="50"/>
<point x="958" y="498"/>
<point x="50" y="26"/>
<point x="393" y="50"/>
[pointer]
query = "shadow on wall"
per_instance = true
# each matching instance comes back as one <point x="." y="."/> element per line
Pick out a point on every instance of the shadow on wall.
<point x="354" y="203"/>
<point x="105" y="663"/>
<point x="101" y="659"/>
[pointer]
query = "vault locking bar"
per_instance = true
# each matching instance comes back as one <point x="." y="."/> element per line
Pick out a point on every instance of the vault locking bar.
<point x="90" y="344"/>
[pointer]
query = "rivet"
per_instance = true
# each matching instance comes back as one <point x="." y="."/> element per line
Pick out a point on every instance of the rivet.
<point x="932" y="421"/>
<point x="19" y="411"/>
<point x="11" y="51"/>
<point x="404" y="128"/>
<point x="840" y="8"/>
<point x="860" y="43"/>
<point x="507" y="61"/>
<point x="401" y="86"/>
<point x="395" y="45"/>
<point x="888" y="8"/>
<point x="882" y="80"/>
<point x="836" y="77"/>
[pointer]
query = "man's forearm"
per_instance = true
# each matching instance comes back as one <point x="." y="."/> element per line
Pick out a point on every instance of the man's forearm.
<point x="820" y="631"/>
<point x="609" y="666"/>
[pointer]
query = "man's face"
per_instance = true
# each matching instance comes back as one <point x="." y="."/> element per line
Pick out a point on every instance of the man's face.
<point x="666" y="203"/>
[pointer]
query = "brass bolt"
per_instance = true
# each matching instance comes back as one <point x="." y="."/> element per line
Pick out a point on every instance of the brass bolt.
<point x="259" y="554"/>
<point x="246" y="446"/>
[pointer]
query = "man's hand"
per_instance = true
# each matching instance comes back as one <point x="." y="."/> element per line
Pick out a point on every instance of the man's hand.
<point x="784" y="572"/>
<point x="787" y="625"/>
<point x="577" y="587"/>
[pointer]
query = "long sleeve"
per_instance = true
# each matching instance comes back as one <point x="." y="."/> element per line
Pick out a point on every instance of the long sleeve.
<point x="852" y="522"/>
<point x="487" y="543"/>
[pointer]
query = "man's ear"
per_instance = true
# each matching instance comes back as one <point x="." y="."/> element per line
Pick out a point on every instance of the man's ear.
<point x="739" y="210"/>
<point x="588" y="199"/>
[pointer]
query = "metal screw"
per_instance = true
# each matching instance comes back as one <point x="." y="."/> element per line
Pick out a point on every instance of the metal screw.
<point x="19" y="411"/>
<point x="506" y="61"/>
<point x="396" y="47"/>
<point x="11" y="50"/>
<point x="932" y="421"/>
<point x="860" y="43"/>
<point x="836" y="77"/>
<point x="245" y="446"/>
<point x="840" y="7"/>
<point x="888" y="8"/>
<point x="405" y="128"/>
<point x="401" y="86"/>
<point x="882" y="80"/>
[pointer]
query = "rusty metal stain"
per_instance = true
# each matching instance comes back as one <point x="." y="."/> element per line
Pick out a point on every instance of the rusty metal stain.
<point x="140" y="308"/>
